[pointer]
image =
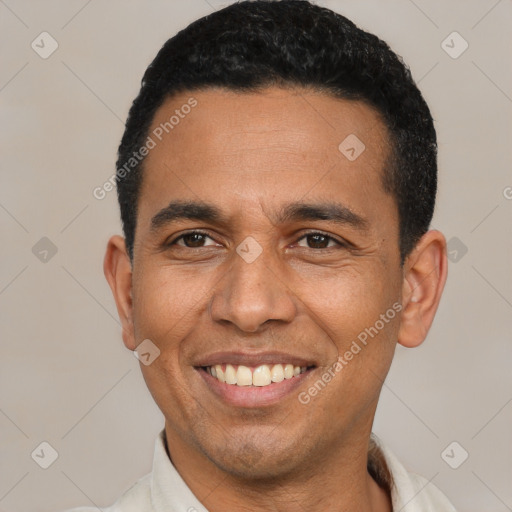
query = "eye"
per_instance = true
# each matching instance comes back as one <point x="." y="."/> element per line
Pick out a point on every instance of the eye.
<point x="197" y="239"/>
<point x="319" y="240"/>
<point x="192" y="239"/>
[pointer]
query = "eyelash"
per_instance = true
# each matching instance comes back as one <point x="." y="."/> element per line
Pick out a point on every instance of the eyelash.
<point x="205" y="234"/>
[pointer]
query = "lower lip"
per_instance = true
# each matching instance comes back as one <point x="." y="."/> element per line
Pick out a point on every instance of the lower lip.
<point x="253" y="396"/>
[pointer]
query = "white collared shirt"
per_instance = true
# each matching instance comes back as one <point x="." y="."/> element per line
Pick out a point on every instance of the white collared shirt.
<point x="163" y="490"/>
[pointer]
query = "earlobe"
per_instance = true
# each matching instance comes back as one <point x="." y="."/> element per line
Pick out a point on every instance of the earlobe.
<point x="425" y="273"/>
<point x="118" y="272"/>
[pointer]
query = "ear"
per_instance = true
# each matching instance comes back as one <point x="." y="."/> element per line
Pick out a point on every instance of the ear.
<point x="118" y="271"/>
<point x="425" y="272"/>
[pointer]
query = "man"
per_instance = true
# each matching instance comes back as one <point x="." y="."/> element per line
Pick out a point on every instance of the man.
<point x="276" y="180"/>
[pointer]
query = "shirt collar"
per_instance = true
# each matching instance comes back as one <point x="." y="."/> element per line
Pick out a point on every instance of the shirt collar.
<point x="169" y="492"/>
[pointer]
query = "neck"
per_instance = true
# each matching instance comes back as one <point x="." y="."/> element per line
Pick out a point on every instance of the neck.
<point x="314" y="486"/>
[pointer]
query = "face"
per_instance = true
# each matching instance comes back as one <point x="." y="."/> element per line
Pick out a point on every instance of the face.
<point x="261" y="244"/>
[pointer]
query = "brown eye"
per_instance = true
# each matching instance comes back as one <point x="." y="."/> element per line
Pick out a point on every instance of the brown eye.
<point x="318" y="241"/>
<point x="192" y="240"/>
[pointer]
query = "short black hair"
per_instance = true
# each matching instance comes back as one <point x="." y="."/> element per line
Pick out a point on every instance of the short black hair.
<point x="250" y="45"/>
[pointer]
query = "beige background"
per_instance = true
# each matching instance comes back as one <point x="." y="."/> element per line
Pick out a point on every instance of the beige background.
<point x="65" y="375"/>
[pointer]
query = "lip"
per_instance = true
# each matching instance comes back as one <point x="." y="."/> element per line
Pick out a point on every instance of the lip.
<point x="253" y="359"/>
<point x="252" y="396"/>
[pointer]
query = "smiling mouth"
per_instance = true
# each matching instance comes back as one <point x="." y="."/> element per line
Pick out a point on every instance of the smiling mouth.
<point x="259" y="376"/>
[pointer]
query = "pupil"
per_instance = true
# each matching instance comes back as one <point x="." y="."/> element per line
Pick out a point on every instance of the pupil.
<point x="195" y="239"/>
<point x="317" y="242"/>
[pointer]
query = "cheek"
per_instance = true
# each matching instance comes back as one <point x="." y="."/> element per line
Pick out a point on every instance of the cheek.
<point x="166" y="302"/>
<point x="346" y="301"/>
<point x="355" y="309"/>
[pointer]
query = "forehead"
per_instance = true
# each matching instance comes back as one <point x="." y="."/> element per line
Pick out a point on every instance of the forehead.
<point x="304" y="120"/>
<point x="280" y="144"/>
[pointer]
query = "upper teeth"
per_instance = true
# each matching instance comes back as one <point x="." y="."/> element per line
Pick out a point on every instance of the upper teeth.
<point x="261" y="376"/>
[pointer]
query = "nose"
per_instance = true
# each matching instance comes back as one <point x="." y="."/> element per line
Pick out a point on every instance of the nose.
<point x="252" y="294"/>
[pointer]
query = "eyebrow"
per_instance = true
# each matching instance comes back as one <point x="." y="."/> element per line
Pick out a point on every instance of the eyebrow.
<point x="298" y="211"/>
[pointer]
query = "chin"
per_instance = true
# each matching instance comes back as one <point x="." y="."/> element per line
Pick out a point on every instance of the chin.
<point x="256" y="461"/>
<point x="255" y="468"/>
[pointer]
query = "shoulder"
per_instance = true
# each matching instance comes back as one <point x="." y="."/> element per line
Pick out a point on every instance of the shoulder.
<point x="411" y="492"/>
<point x="427" y="497"/>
